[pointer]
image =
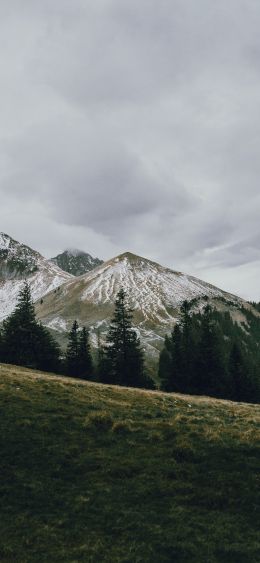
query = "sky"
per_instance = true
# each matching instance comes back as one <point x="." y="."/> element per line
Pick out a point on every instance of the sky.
<point x="134" y="126"/>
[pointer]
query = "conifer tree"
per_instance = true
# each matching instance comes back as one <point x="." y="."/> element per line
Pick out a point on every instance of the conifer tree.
<point x="171" y="363"/>
<point x="210" y="366"/>
<point x="25" y="341"/>
<point x="100" y="366"/>
<point x="85" y="365"/>
<point x="123" y="357"/>
<point x="210" y="354"/>
<point x="185" y="344"/>
<point x="72" y="353"/>
<point x="165" y="365"/>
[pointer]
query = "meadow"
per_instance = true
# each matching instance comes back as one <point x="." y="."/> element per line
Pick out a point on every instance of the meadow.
<point x="97" y="473"/>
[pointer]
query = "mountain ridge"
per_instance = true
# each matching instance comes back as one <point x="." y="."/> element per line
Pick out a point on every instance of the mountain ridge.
<point x="155" y="294"/>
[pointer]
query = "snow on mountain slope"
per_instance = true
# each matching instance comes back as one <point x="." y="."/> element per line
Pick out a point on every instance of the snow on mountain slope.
<point x="155" y="294"/>
<point x="19" y="262"/>
<point x="152" y="289"/>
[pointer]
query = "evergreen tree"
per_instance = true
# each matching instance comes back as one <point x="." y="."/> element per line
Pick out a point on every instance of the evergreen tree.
<point x="72" y="353"/>
<point x="85" y="365"/>
<point x="123" y="357"/>
<point x="100" y="366"/>
<point x="237" y="373"/>
<point x="25" y="341"/>
<point x="78" y="355"/>
<point x="185" y="350"/>
<point x="210" y="354"/>
<point x="48" y="351"/>
<point x="171" y="362"/>
<point x="180" y="377"/>
<point x="165" y="365"/>
<point x="210" y="369"/>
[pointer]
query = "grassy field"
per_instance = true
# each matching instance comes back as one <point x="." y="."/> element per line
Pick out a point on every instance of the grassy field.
<point x="98" y="473"/>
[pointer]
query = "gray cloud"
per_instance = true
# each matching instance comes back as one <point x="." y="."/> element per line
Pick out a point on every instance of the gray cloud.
<point x="128" y="125"/>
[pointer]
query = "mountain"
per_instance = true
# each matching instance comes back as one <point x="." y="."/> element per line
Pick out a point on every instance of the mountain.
<point x="18" y="263"/>
<point x="155" y="294"/>
<point x="76" y="262"/>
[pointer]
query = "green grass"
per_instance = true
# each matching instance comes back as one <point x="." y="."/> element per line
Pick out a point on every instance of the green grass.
<point x="106" y="474"/>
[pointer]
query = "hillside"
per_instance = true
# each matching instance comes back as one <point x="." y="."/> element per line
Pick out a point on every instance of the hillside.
<point x="76" y="262"/>
<point x="19" y="262"/>
<point x="155" y="293"/>
<point x="94" y="473"/>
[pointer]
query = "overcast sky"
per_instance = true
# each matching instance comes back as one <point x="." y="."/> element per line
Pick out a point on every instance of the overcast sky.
<point x="134" y="125"/>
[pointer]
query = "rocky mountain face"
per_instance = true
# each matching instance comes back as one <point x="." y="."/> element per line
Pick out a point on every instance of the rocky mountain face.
<point x="155" y="294"/>
<point x="76" y="262"/>
<point x="18" y="263"/>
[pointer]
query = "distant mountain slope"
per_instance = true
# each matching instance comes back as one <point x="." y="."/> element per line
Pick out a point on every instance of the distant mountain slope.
<point x="19" y="262"/>
<point x="76" y="262"/>
<point x="155" y="293"/>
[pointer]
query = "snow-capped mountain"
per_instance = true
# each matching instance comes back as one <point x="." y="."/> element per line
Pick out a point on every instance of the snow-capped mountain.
<point x="155" y="294"/>
<point x="76" y="262"/>
<point x="19" y="262"/>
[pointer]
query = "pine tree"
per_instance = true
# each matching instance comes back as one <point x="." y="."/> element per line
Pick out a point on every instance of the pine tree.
<point x="186" y="350"/>
<point x="85" y="364"/>
<point x="25" y="341"/>
<point x="72" y="353"/>
<point x="171" y="363"/>
<point x="210" y="366"/>
<point x="210" y="354"/>
<point x="123" y="359"/>
<point x="19" y="332"/>
<point x="165" y="365"/>
<point x="100" y="366"/>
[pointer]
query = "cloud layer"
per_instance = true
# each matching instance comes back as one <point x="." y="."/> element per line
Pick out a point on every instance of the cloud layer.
<point x="128" y="126"/>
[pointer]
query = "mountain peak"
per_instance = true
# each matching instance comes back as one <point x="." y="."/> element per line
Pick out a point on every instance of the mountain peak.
<point x="155" y="294"/>
<point x="76" y="262"/>
<point x="74" y="252"/>
<point x="127" y="256"/>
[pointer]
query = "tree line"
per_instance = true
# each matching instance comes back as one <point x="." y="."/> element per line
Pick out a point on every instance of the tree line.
<point x="207" y="353"/>
<point x="25" y="341"/>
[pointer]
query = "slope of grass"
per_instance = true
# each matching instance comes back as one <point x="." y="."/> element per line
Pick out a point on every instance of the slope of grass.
<point x="105" y="474"/>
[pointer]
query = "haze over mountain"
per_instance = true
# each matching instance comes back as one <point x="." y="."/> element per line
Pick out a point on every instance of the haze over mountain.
<point x="18" y="263"/>
<point x="76" y="262"/>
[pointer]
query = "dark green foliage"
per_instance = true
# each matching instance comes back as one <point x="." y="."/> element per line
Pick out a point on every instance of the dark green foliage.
<point x="209" y="354"/>
<point x="25" y="341"/>
<point x="123" y="361"/>
<point x="72" y="351"/>
<point x="240" y="384"/>
<point x="84" y="355"/>
<point x="78" y="355"/>
<point x="209" y="362"/>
